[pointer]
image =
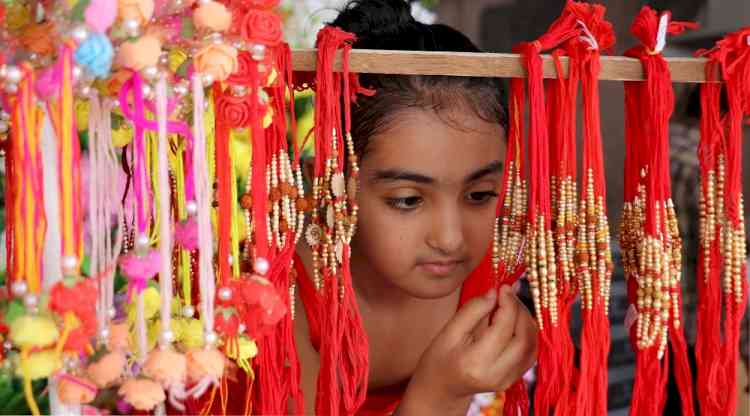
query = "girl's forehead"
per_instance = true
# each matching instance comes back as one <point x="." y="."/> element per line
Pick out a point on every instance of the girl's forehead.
<point x="444" y="146"/>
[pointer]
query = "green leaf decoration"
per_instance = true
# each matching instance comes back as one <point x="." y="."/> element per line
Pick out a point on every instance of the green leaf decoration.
<point x="79" y="9"/>
<point x="187" y="28"/>
<point x="15" y="309"/>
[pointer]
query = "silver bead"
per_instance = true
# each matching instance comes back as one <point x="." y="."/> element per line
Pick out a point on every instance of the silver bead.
<point x="132" y="27"/>
<point x="211" y="338"/>
<point x="112" y="312"/>
<point x="258" y="51"/>
<point x="188" y="311"/>
<point x="191" y="207"/>
<point x="11" y="88"/>
<point x="3" y="126"/>
<point x="225" y="293"/>
<point x="150" y="73"/>
<point x="19" y="288"/>
<point x="13" y="74"/>
<point x="241" y="328"/>
<point x="4" y="116"/>
<point x="167" y="337"/>
<point x="69" y="264"/>
<point x="207" y="79"/>
<point x="261" y="266"/>
<point x="30" y="301"/>
<point x="79" y="33"/>
<point x="7" y="345"/>
<point x="230" y="260"/>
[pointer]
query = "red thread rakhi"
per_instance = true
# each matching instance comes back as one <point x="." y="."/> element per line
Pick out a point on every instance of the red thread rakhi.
<point x="650" y="240"/>
<point x="539" y="250"/>
<point x="342" y="380"/>
<point x="722" y="266"/>
<point x="592" y="258"/>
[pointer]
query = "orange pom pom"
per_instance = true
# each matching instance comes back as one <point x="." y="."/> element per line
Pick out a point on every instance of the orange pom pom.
<point x="141" y="393"/>
<point x="218" y="60"/>
<point x="166" y="366"/>
<point x="139" y="54"/>
<point x="108" y="369"/>
<point x="212" y="16"/>
<point x="203" y="362"/>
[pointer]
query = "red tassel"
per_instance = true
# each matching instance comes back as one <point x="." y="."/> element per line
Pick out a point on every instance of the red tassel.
<point x="649" y="106"/>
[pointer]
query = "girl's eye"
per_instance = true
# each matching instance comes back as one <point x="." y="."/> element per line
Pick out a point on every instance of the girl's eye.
<point x="479" y="198"/>
<point x="406" y="204"/>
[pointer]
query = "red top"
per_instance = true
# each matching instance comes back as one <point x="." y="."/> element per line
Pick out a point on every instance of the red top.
<point x="383" y="401"/>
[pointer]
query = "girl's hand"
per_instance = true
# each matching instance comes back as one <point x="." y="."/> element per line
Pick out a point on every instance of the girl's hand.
<point x="473" y="354"/>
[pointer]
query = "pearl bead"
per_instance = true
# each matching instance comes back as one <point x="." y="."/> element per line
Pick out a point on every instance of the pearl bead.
<point x="132" y="27"/>
<point x="258" y="51"/>
<point x="241" y="328"/>
<point x="203" y="2"/>
<point x="104" y="334"/>
<point x="180" y="89"/>
<point x="85" y="91"/>
<point x="225" y="293"/>
<point x="112" y="312"/>
<point x="207" y="79"/>
<point x="188" y="311"/>
<point x="211" y="338"/>
<point x="19" y="288"/>
<point x="142" y="241"/>
<point x="150" y="72"/>
<point x="7" y="345"/>
<point x="261" y="266"/>
<point x="79" y="33"/>
<point x="191" y="207"/>
<point x="30" y="300"/>
<point x="167" y="337"/>
<point x="148" y="91"/>
<point x="4" y="116"/>
<point x="77" y="72"/>
<point x="13" y="74"/>
<point x="11" y="88"/>
<point x="69" y="264"/>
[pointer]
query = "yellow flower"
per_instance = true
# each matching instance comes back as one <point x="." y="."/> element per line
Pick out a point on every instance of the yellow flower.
<point x="40" y="364"/>
<point x="176" y="58"/>
<point x="82" y="114"/>
<point x="33" y="331"/>
<point x="191" y="333"/>
<point x="248" y="349"/>
<point x="151" y="304"/>
<point x="17" y="16"/>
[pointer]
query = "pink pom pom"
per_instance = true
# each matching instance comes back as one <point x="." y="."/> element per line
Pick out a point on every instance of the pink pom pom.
<point x="186" y="234"/>
<point x="101" y="14"/>
<point x="138" y="269"/>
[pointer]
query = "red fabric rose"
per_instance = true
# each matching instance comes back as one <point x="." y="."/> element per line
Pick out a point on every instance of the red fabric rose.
<point x="235" y="111"/>
<point x="79" y="299"/>
<point x="247" y="70"/>
<point x="226" y="322"/>
<point x="262" y="4"/>
<point x="260" y="26"/>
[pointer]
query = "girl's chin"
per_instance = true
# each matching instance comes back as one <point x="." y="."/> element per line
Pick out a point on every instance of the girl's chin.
<point x="432" y="288"/>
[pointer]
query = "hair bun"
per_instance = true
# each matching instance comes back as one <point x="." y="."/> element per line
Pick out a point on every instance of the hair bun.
<point x="377" y="23"/>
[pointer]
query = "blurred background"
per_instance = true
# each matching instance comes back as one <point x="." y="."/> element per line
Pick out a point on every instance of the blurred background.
<point x="497" y="25"/>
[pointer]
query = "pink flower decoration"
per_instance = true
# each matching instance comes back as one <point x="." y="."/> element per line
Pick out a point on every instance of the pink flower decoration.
<point x="45" y="84"/>
<point x="101" y="14"/>
<point x="186" y="234"/>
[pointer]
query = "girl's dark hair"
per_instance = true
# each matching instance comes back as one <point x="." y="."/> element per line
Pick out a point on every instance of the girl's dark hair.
<point x="388" y="24"/>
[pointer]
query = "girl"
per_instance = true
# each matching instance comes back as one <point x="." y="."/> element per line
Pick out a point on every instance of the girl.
<point x="431" y="151"/>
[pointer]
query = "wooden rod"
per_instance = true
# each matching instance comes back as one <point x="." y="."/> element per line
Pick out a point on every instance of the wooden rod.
<point x="502" y="65"/>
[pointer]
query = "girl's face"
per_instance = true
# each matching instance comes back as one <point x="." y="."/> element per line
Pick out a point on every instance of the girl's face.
<point x="427" y="197"/>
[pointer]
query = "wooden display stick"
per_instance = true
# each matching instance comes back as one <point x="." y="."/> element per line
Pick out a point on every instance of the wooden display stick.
<point x="502" y="65"/>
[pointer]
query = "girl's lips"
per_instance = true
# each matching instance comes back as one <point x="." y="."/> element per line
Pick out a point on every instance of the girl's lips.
<point x="440" y="268"/>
